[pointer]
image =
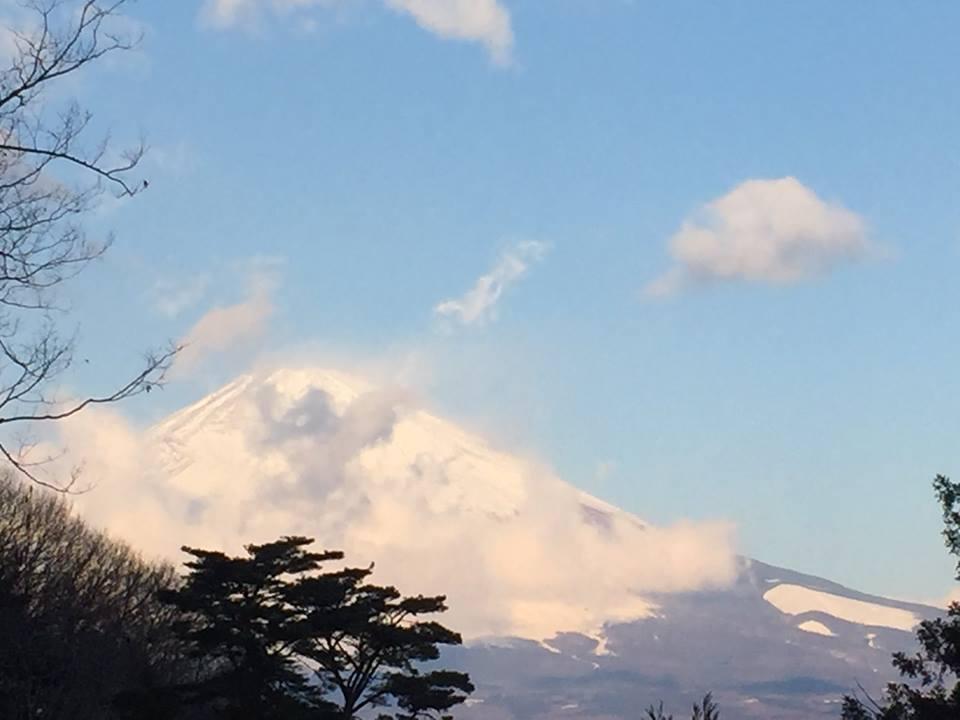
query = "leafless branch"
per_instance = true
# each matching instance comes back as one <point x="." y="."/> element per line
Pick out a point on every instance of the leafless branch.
<point x="112" y="174"/>
<point x="50" y="177"/>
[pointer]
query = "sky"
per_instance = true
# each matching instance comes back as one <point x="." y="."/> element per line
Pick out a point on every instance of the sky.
<point x="700" y="258"/>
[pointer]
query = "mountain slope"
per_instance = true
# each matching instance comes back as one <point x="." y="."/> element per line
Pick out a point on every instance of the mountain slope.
<point x="759" y="661"/>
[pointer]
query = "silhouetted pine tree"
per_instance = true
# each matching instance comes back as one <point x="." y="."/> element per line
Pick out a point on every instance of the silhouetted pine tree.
<point x="236" y="620"/>
<point x="285" y="640"/>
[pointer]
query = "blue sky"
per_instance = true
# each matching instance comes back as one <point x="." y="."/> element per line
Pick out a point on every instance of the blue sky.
<point x="335" y="171"/>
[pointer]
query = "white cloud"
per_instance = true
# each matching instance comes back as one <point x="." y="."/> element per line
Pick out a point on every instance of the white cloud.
<point x="227" y="327"/>
<point x="770" y="231"/>
<point x="479" y="304"/>
<point x="483" y="21"/>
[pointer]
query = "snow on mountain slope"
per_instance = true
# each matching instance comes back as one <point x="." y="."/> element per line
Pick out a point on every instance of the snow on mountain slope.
<point x="816" y="627"/>
<point x="797" y="600"/>
<point x="518" y="551"/>
<point x="759" y="661"/>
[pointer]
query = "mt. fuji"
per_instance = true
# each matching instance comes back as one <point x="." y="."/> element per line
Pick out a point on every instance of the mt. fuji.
<point x="571" y="607"/>
<point x="518" y="551"/>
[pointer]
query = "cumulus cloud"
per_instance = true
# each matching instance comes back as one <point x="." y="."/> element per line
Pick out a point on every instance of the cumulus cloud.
<point x="226" y="327"/>
<point x="770" y="231"/>
<point x="482" y="21"/>
<point x="479" y="304"/>
<point x="517" y="551"/>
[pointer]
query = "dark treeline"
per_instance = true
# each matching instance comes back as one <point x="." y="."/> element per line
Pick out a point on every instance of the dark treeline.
<point x="80" y="616"/>
<point x="90" y="631"/>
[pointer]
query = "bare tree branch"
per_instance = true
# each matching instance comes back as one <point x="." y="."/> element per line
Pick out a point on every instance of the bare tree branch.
<point x="150" y="378"/>
<point x="113" y="174"/>
<point x="50" y="177"/>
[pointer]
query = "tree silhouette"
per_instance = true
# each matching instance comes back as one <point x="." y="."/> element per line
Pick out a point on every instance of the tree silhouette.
<point x="365" y="641"/>
<point x="706" y="709"/>
<point x="238" y="620"/>
<point x="283" y="639"/>
<point x="935" y="668"/>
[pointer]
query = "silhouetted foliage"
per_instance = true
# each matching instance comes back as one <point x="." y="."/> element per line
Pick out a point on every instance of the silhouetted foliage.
<point x="237" y="619"/>
<point x="284" y="640"/>
<point x="80" y="621"/>
<point x="656" y="712"/>
<point x="50" y="177"/>
<point x="88" y="631"/>
<point x="706" y="709"/>
<point x="935" y="669"/>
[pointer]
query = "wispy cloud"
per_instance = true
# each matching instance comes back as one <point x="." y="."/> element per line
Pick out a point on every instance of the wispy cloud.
<point x="769" y="231"/>
<point x="604" y="470"/>
<point x="226" y="327"/>
<point x="479" y="304"/>
<point x="227" y="13"/>
<point x="482" y="21"/>
<point x="173" y="296"/>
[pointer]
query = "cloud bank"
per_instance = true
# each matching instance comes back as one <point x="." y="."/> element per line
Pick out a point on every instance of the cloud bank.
<point x="518" y="551"/>
<point x="776" y="232"/>
<point x="486" y="22"/>
<point x="479" y="304"/>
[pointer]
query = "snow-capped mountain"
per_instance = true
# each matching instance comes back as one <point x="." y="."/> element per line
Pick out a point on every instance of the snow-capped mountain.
<point x="571" y="607"/>
<point x="518" y="551"/>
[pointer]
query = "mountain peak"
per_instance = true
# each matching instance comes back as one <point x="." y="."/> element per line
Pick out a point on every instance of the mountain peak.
<point x="361" y="468"/>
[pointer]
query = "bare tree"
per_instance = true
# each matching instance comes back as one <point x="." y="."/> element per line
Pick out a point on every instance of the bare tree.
<point x="50" y="176"/>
